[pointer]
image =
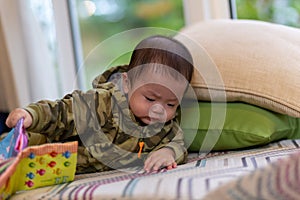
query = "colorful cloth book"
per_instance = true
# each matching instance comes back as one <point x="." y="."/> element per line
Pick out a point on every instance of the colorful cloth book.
<point x="26" y="168"/>
<point x="14" y="142"/>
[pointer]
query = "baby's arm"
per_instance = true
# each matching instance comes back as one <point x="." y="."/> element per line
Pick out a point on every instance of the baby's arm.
<point x="164" y="157"/>
<point x="17" y="114"/>
<point x="50" y="118"/>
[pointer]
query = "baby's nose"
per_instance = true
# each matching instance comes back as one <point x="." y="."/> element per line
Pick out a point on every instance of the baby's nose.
<point x="158" y="109"/>
<point x="157" y="113"/>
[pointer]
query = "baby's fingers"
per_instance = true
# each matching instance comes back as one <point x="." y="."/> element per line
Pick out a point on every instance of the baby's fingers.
<point x="12" y="119"/>
<point x="172" y="166"/>
<point x="153" y="164"/>
<point x="17" y="114"/>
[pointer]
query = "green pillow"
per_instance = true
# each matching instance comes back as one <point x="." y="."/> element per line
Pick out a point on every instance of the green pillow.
<point x="235" y="125"/>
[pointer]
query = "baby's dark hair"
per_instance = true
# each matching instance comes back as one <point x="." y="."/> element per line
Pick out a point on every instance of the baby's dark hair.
<point x="161" y="51"/>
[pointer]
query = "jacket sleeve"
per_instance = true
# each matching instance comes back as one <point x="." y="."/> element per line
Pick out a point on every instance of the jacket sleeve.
<point x="177" y="144"/>
<point x="60" y="119"/>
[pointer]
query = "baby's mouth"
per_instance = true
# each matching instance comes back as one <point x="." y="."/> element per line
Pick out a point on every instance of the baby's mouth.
<point x="156" y="119"/>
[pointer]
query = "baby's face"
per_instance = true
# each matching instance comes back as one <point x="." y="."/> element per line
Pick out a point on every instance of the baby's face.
<point x="155" y="99"/>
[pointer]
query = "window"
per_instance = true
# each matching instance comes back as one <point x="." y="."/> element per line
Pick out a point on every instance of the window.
<point x="109" y="29"/>
<point x="286" y="12"/>
<point x="56" y="46"/>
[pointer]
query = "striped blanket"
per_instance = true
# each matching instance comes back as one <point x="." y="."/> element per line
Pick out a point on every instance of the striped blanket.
<point x="217" y="175"/>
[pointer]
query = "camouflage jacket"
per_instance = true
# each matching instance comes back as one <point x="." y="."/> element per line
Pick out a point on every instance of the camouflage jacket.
<point x="101" y="121"/>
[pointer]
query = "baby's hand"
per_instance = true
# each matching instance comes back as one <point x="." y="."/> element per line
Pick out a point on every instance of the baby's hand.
<point x="17" y="114"/>
<point x="161" y="158"/>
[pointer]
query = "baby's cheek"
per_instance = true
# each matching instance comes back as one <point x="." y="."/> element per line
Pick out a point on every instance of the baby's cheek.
<point x="142" y="109"/>
<point x="170" y="115"/>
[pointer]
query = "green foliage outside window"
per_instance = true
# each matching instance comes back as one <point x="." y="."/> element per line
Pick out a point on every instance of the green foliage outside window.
<point x="101" y="19"/>
<point x="285" y="12"/>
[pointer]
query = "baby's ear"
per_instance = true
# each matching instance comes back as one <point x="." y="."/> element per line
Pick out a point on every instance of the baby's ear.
<point x="125" y="83"/>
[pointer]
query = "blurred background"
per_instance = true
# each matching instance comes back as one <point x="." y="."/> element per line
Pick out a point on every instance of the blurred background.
<point x="100" y="19"/>
<point x="96" y="20"/>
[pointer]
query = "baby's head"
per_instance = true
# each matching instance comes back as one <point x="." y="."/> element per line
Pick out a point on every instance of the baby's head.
<point x="159" y="72"/>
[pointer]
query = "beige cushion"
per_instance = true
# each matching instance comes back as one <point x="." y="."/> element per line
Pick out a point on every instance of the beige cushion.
<point x="245" y="60"/>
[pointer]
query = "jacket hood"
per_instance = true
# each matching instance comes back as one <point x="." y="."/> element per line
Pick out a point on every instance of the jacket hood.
<point x="112" y="74"/>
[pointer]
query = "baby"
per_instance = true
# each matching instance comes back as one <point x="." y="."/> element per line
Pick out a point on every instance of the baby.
<point x="126" y="120"/>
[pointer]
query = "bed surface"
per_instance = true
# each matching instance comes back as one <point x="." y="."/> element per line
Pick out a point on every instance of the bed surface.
<point x="193" y="180"/>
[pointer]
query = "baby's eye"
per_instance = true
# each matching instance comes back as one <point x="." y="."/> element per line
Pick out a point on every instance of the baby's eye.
<point x="171" y="105"/>
<point x="150" y="99"/>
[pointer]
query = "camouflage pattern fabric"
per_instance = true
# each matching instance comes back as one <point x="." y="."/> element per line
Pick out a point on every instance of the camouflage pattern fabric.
<point x="101" y="121"/>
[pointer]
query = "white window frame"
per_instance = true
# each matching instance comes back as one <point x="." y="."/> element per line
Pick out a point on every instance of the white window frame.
<point x="201" y="10"/>
<point x="66" y="55"/>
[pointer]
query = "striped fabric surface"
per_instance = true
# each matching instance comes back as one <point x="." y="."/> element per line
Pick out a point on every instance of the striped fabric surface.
<point x="280" y="180"/>
<point x="213" y="176"/>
